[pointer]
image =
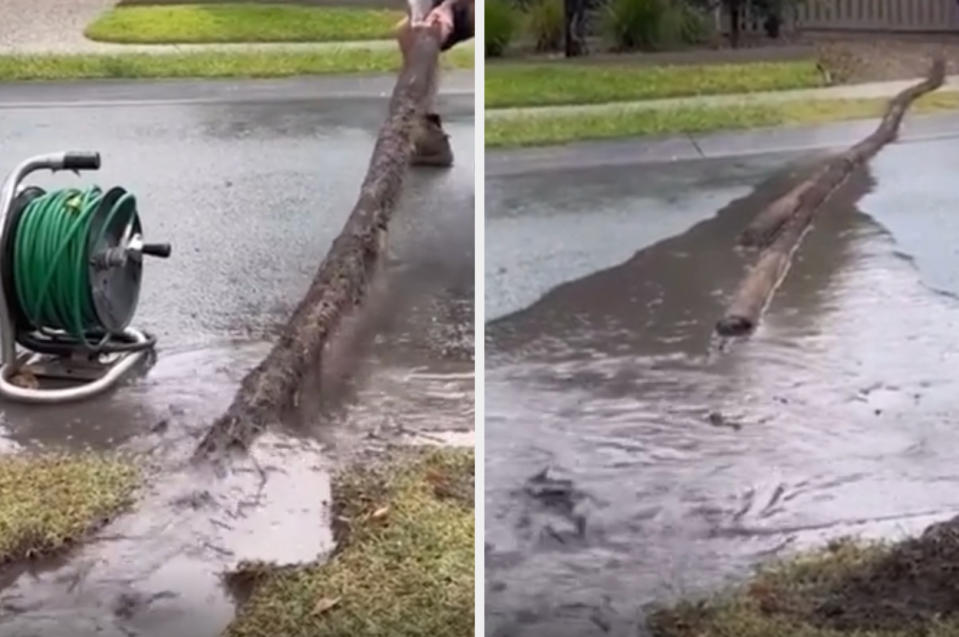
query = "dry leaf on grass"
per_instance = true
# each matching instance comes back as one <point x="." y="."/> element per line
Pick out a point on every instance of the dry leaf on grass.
<point x="324" y="604"/>
<point x="380" y="512"/>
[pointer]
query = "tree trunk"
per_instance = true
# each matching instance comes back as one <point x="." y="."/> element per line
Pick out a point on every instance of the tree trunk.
<point x="734" y="18"/>
<point x="341" y="281"/>
<point x="575" y="18"/>
<point x="780" y="227"/>
<point x="772" y="25"/>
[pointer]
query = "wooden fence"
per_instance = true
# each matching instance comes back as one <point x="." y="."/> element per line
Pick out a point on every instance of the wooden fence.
<point x="879" y="15"/>
<point x="904" y="16"/>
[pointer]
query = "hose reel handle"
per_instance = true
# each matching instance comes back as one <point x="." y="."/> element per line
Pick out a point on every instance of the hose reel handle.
<point x="81" y="160"/>
<point x="162" y="250"/>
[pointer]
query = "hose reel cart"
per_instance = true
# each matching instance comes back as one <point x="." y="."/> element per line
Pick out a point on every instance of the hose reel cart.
<point x="71" y="262"/>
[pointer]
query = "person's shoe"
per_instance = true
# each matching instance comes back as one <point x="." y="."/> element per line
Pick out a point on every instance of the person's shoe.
<point x="431" y="144"/>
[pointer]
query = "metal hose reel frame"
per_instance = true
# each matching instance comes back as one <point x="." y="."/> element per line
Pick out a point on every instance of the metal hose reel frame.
<point x="114" y="274"/>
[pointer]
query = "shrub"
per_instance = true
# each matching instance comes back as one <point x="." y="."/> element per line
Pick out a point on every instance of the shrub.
<point x="669" y="33"/>
<point x="635" y="24"/>
<point x="696" y="27"/>
<point x="546" y="23"/>
<point x="654" y="24"/>
<point x="501" y="19"/>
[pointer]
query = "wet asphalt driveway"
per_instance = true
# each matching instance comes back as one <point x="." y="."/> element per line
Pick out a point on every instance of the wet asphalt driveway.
<point x="837" y="417"/>
<point x="250" y="182"/>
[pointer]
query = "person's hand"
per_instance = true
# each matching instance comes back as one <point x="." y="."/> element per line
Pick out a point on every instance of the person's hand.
<point x="436" y="18"/>
<point x="452" y="21"/>
<point x="441" y="18"/>
<point x="455" y="21"/>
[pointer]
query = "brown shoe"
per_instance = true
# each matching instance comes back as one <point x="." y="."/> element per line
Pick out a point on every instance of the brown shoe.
<point x="431" y="145"/>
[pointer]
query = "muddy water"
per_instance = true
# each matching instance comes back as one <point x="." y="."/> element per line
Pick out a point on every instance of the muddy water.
<point x="671" y="468"/>
<point x="215" y="306"/>
<point x="403" y="369"/>
<point x="157" y="570"/>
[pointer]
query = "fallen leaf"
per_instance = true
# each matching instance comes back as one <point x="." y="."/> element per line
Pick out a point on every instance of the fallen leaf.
<point x="325" y="603"/>
<point x="26" y="379"/>
<point x="380" y="512"/>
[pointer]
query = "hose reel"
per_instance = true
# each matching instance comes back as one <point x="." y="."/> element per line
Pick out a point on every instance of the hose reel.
<point x="71" y="267"/>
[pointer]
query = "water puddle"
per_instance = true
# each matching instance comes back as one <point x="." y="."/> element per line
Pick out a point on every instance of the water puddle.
<point x="180" y="393"/>
<point x="158" y="571"/>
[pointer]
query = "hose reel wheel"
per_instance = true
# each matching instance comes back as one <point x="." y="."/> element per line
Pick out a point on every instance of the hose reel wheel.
<point x="114" y="284"/>
<point x="72" y="268"/>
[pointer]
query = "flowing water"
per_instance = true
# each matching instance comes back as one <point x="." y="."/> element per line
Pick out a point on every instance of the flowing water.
<point x="630" y="461"/>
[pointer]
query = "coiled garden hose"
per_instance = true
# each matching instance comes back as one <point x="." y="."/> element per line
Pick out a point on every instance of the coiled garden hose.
<point x="51" y="261"/>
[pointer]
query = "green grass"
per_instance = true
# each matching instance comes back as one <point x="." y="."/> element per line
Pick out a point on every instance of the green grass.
<point x="404" y="565"/>
<point x="199" y="64"/>
<point x="47" y="502"/>
<point x="242" y="23"/>
<point x="550" y="84"/>
<point x="791" y="599"/>
<point x="545" y="129"/>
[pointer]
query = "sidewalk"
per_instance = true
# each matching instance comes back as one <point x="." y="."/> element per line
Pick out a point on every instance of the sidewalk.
<point x="47" y="25"/>
<point x="850" y="91"/>
<point x="56" y="26"/>
<point x="667" y="149"/>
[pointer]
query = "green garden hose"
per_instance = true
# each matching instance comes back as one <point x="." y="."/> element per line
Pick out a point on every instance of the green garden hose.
<point x="51" y="258"/>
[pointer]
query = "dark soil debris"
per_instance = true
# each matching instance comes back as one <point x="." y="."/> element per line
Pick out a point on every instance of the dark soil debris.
<point x="907" y="589"/>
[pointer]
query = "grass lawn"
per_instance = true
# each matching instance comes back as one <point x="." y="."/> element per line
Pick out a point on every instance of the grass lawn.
<point x="532" y="130"/>
<point x="199" y="64"/>
<point x="905" y="589"/>
<point x="509" y="85"/>
<point x="241" y="23"/>
<point x="47" y="502"/>
<point x="404" y="565"/>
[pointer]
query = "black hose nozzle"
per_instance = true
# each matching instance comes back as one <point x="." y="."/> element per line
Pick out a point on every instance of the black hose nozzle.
<point x="81" y="160"/>
<point x="162" y="250"/>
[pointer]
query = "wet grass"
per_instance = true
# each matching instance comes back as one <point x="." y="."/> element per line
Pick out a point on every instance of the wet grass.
<point x="558" y="128"/>
<point x="907" y="589"/>
<point x="514" y="85"/>
<point x="47" y="502"/>
<point x="248" y="22"/>
<point x="212" y="64"/>
<point x="404" y="564"/>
